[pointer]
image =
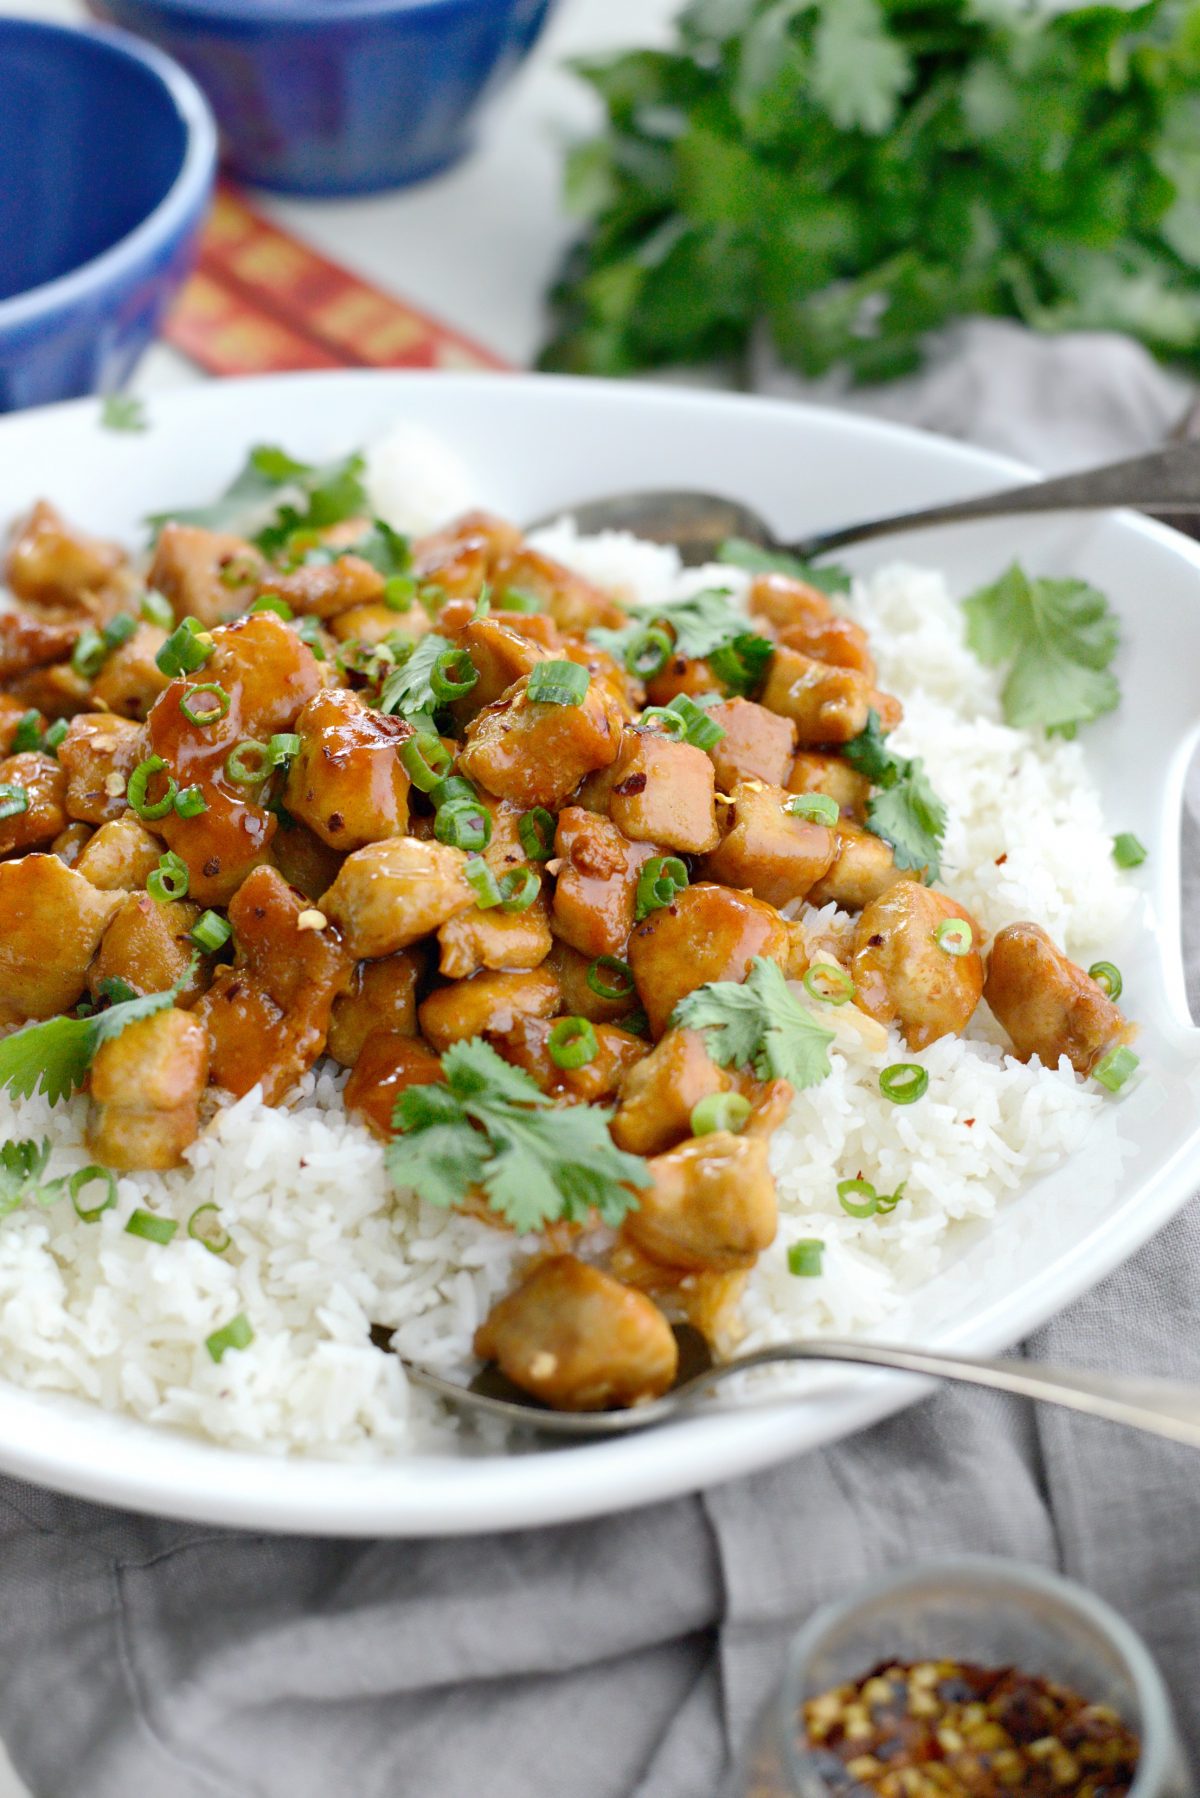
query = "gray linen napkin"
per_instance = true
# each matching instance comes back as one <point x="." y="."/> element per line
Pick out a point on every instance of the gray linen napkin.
<point x="621" y="1658"/>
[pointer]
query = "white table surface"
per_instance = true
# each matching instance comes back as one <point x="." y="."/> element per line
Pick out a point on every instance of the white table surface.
<point x="477" y="246"/>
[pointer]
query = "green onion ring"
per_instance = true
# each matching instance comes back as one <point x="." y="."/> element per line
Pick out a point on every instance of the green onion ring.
<point x="572" y="1043"/>
<point x="453" y="675"/>
<point x="482" y="882"/>
<point x="91" y="1214"/>
<point x="647" y="654"/>
<point x="839" y="988"/>
<point x="425" y="760"/>
<point x="463" y="824"/>
<point x="169" y="881"/>
<point x="1107" y="977"/>
<point x="151" y="1227"/>
<point x="804" y="1257"/>
<point x="1115" y="1068"/>
<point x="209" y="715"/>
<point x="215" y="1241"/>
<point x="536" y="831"/>
<point x="139" y="782"/>
<point x="870" y="1204"/>
<point x="236" y="1334"/>
<point x="904" y="1082"/>
<point x="720" y="1111"/>
<point x="954" y="936"/>
<point x="519" y="889"/>
<point x="622" y="973"/>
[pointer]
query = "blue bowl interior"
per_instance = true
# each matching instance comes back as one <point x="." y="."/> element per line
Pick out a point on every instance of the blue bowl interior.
<point x="90" y="143"/>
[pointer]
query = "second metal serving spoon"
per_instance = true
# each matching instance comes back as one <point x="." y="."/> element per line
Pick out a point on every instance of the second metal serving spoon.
<point x="1165" y="483"/>
<point x="1160" y="1407"/>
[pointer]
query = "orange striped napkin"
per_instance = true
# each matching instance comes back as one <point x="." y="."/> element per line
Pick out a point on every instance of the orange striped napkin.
<point x="261" y="302"/>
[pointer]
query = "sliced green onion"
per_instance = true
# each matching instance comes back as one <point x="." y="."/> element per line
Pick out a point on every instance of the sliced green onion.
<point x="453" y="675"/>
<point x="572" y="1043"/>
<point x="271" y="602"/>
<point x="87" y="1176"/>
<point x="1107" y="977"/>
<point x="1127" y="852"/>
<point x="425" y="760"/>
<point x="954" y="936"/>
<point x="54" y="736"/>
<point x="518" y="599"/>
<point x="647" y="654"/>
<point x="207" y="714"/>
<point x="720" y="1111"/>
<point x="248" y="763"/>
<point x="536" y="831"/>
<point x="169" y="881"/>
<point x="211" y="931"/>
<point x="190" y="802"/>
<point x="205" y="1226"/>
<point x="888" y="1201"/>
<point x="660" y="879"/>
<point x="662" y="718"/>
<point x="483" y="883"/>
<point x="14" y="799"/>
<point x="637" y="1023"/>
<point x="455" y="786"/>
<point x="1114" y="1069"/>
<point x="87" y="657"/>
<point x="829" y="984"/>
<point x="118" y="630"/>
<point x="309" y="632"/>
<point x="139" y="782"/>
<point x="157" y="609"/>
<point x="399" y="591"/>
<point x="463" y="824"/>
<point x="816" y="808"/>
<point x="804" y="1257"/>
<point x="904" y="1082"/>
<point x="483" y="603"/>
<point x="236" y="1334"/>
<point x="183" y="652"/>
<point x="28" y="734"/>
<point x="557" y="683"/>
<point x="283" y="747"/>
<point x="519" y="889"/>
<point x="151" y="1227"/>
<point x="699" y="729"/>
<point x="848" y="1191"/>
<point x="620" y="986"/>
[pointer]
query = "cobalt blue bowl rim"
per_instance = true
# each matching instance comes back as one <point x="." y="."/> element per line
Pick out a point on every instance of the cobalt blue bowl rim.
<point x="175" y="212"/>
<point x="316" y="15"/>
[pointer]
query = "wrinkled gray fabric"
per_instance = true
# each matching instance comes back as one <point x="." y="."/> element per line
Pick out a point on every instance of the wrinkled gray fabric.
<point x="622" y="1658"/>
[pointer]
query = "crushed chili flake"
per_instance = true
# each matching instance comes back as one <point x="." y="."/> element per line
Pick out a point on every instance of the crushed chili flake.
<point x="948" y="1729"/>
<point x="1001" y="859"/>
<point x="968" y="1122"/>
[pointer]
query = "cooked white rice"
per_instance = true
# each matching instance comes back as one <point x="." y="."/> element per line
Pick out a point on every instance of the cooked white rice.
<point x="322" y="1248"/>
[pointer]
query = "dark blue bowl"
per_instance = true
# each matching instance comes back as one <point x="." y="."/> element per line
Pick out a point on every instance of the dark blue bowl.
<point x="325" y="97"/>
<point x="107" y="157"/>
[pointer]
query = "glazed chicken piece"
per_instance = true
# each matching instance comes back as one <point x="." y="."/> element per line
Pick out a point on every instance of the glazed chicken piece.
<point x="908" y="969"/>
<point x="494" y="938"/>
<point x="579" y="998"/>
<point x="371" y="624"/>
<point x="501" y="655"/>
<point x="120" y="854"/>
<point x="131" y="680"/>
<point x="389" y="895"/>
<point x="830" y="774"/>
<point x="56" y="691"/>
<point x="573" y="603"/>
<point x="303" y="859"/>
<point x="757" y="745"/>
<point x="658" y="791"/>
<point x="70" y="844"/>
<point x="53" y="920"/>
<point x="323" y="589"/>
<point x="145" y="1086"/>
<point x="146" y="945"/>
<point x="692" y="675"/>
<point x="782" y="600"/>
<point x="768" y="850"/>
<point x="706" y="933"/>
<point x="839" y="641"/>
<point x="454" y="562"/>
<point x="488" y="1003"/>
<point x="209" y="575"/>
<point x="268" y="1015"/>
<point x="388" y="1062"/>
<point x="382" y="995"/>
<point x="579" y="1340"/>
<point x="484" y="531"/>
<point x="536" y="754"/>
<point x="12" y="712"/>
<point x="826" y="703"/>
<point x="1048" y="1006"/>
<point x="712" y="1204"/>
<point x="97" y="755"/>
<point x="28" y="642"/>
<point x="348" y="783"/>
<point x="44" y="786"/>
<point x="596" y="890"/>
<point x="660" y="1092"/>
<point x="527" y="1045"/>
<point x="50" y="563"/>
<point x="863" y="868"/>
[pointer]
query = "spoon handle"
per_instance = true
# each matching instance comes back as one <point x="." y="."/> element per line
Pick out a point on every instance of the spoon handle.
<point x="1166" y="480"/>
<point x="1167" y="1408"/>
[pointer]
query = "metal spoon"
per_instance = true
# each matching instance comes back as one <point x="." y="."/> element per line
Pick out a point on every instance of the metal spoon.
<point x="1165" y="483"/>
<point x="1167" y="1408"/>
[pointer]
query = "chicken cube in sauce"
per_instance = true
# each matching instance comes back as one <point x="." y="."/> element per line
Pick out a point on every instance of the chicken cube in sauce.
<point x="595" y="892"/>
<point x="1048" y="1006"/>
<point x="712" y="1205"/>
<point x="916" y="962"/>
<point x="757" y="744"/>
<point x="97" y="755"/>
<point x="33" y="793"/>
<point x="53" y="920"/>
<point x="766" y="849"/>
<point x="658" y="791"/>
<point x="660" y="1092"/>
<point x="487" y="1004"/>
<point x="382" y="995"/>
<point x="147" y="946"/>
<point x="707" y="933"/>
<point x="207" y="575"/>
<point x="348" y="783"/>
<point x="389" y="1062"/>
<point x="50" y="563"/>
<point x="389" y="895"/>
<point x="145" y="1087"/>
<point x="535" y="753"/>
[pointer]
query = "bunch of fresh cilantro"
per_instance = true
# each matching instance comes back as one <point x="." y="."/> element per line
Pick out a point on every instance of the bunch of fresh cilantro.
<point x="852" y="174"/>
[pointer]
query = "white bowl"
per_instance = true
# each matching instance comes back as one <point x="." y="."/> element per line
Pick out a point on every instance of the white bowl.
<point x="536" y="444"/>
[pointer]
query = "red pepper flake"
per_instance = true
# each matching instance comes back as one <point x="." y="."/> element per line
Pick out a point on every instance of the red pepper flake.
<point x="968" y="1122"/>
<point x="1001" y="859"/>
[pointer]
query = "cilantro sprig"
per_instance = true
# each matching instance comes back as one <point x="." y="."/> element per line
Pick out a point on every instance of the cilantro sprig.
<point x="123" y="412"/>
<point x="906" y="813"/>
<point x="54" y="1057"/>
<point x="22" y="1165"/>
<point x="327" y="495"/>
<point x="1059" y="637"/>
<point x="704" y="625"/>
<point x="408" y="690"/>
<point x="490" y="1126"/>
<point x="759" y="1024"/>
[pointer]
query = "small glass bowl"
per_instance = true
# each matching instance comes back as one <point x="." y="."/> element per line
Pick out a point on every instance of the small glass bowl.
<point x="991" y="1612"/>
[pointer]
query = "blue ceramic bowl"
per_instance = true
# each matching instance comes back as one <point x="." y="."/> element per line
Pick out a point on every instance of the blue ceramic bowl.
<point x="107" y="156"/>
<point x="326" y="97"/>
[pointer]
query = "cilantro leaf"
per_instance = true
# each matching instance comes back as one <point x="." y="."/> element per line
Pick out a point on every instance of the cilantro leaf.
<point x="54" y="1057"/>
<point x="330" y="494"/>
<point x="1059" y="637"/>
<point x="704" y="625"/>
<point x="908" y="813"/>
<point x="22" y="1165"/>
<point x="408" y="688"/>
<point x="827" y="577"/>
<point x="123" y="412"/>
<point x="491" y="1126"/>
<point x="759" y="1024"/>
